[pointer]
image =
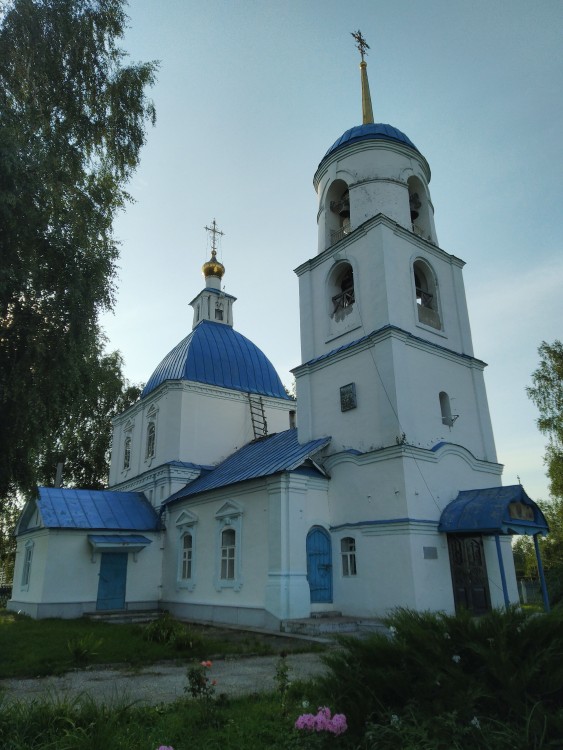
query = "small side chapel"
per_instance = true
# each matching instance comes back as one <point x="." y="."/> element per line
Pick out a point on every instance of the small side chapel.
<point x="378" y="487"/>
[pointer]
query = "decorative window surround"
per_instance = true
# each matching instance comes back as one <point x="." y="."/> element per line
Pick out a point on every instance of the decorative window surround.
<point x="228" y="546"/>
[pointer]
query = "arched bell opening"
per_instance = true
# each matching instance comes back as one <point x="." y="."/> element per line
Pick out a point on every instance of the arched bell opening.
<point x="419" y="208"/>
<point x="426" y="292"/>
<point x="337" y="212"/>
<point x="342" y="295"/>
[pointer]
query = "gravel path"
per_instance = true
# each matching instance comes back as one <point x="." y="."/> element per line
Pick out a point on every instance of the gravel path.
<point x="162" y="682"/>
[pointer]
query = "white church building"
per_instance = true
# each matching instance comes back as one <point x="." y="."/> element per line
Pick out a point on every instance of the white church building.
<point x="378" y="487"/>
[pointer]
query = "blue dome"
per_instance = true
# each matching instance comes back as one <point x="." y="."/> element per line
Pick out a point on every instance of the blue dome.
<point x="372" y="131"/>
<point x="215" y="354"/>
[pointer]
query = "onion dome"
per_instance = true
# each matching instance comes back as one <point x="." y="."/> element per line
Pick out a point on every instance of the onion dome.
<point x="215" y="354"/>
<point x="213" y="267"/>
<point x="374" y="131"/>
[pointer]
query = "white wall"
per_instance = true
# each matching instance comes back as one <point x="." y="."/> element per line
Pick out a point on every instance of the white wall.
<point x="65" y="574"/>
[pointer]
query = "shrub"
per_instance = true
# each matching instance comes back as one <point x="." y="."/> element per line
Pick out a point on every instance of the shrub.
<point x="504" y="666"/>
<point x="165" y="629"/>
<point x="82" y="648"/>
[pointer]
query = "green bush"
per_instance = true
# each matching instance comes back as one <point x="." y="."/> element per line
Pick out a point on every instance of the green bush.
<point x="505" y="667"/>
<point x="83" y="648"/>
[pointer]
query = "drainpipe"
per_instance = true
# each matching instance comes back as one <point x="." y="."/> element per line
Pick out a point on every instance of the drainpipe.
<point x="541" y="575"/>
<point x="502" y="574"/>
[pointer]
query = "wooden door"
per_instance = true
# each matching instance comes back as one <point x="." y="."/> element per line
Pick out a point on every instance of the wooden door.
<point x="469" y="573"/>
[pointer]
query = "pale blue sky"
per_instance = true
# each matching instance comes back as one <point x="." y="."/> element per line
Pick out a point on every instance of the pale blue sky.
<point x="250" y="95"/>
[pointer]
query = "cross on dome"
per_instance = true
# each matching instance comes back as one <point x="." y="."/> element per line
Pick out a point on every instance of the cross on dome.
<point x="367" y="111"/>
<point x="361" y="43"/>
<point x="213" y="267"/>
<point x="214" y="232"/>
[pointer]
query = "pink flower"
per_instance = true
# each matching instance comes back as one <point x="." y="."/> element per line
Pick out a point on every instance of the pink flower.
<point x="207" y="664"/>
<point x="322" y="722"/>
<point x="166" y="747"/>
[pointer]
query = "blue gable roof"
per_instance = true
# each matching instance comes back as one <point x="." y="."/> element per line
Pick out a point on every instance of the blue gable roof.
<point x="63" y="508"/>
<point x="263" y="457"/>
<point x="495" y="510"/>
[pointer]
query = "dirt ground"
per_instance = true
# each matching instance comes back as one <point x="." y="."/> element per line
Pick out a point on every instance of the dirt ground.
<point x="164" y="682"/>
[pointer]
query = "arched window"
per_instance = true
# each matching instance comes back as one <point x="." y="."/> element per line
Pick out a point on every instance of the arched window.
<point x="187" y="552"/>
<point x="426" y="294"/>
<point x="348" y="552"/>
<point x="26" y="571"/>
<point x="127" y="453"/>
<point x="419" y="208"/>
<point x="445" y="407"/>
<point x="151" y="440"/>
<point x="228" y="549"/>
<point x="337" y="212"/>
<point x="341" y="286"/>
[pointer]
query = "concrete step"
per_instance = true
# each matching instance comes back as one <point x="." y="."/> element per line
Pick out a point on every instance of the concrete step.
<point x="124" y="616"/>
<point x="332" y="624"/>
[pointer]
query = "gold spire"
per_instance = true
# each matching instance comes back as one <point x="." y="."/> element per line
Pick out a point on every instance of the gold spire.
<point x="362" y="45"/>
<point x="213" y="267"/>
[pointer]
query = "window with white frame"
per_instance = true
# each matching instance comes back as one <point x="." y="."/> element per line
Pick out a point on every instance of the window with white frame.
<point x="187" y="552"/>
<point x="186" y="525"/>
<point x="127" y="453"/>
<point x="151" y="440"/>
<point x="26" y="571"/>
<point x="348" y="551"/>
<point x="228" y="549"/>
<point x="228" y="569"/>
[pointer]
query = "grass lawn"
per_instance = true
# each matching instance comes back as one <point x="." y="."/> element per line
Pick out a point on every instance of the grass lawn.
<point x="32" y="648"/>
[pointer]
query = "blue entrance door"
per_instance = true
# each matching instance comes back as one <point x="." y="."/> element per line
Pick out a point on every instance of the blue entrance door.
<point x="319" y="565"/>
<point x="111" y="586"/>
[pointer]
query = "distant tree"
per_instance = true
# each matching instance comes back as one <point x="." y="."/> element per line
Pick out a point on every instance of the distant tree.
<point x="547" y="394"/>
<point x="551" y="549"/>
<point x="72" y="123"/>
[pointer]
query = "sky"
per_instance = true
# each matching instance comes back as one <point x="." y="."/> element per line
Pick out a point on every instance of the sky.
<point x="249" y="96"/>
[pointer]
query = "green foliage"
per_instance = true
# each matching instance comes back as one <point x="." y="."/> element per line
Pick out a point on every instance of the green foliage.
<point x="504" y="666"/>
<point x="547" y="395"/>
<point x="415" y="731"/>
<point x="83" y="648"/>
<point x="82" y="440"/>
<point x="80" y="724"/>
<point x="120" y="644"/>
<point x="72" y="123"/>
<point x="551" y="550"/>
<point x="281" y="678"/>
<point x="167" y="630"/>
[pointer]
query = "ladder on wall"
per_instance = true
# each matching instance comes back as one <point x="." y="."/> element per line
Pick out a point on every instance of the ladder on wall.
<point x="257" y="415"/>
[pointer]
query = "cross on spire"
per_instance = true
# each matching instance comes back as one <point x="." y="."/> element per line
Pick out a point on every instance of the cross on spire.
<point x="361" y="43"/>
<point x="214" y="232"/>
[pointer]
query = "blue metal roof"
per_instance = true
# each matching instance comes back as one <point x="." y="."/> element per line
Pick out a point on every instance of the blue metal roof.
<point x="388" y="327"/>
<point x="215" y="354"/>
<point x="96" y="509"/>
<point x="370" y="132"/>
<point x="263" y="457"/>
<point x="489" y="511"/>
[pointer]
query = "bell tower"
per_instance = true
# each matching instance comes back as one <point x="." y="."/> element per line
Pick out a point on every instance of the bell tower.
<point x="385" y="337"/>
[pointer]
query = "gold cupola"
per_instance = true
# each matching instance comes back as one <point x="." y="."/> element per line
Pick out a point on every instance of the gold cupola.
<point x="213" y="267"/>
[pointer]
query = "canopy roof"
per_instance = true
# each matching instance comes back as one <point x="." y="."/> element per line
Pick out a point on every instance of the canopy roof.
<point x="496" y="510"/>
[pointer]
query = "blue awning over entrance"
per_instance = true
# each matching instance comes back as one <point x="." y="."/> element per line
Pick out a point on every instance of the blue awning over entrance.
<point x="118" y="542"/>
<point x="496" y="510"/>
